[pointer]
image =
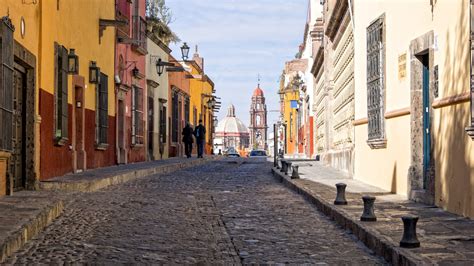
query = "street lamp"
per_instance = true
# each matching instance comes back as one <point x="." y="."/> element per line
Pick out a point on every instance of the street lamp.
<point x="159" y="67"/>
<point x="94" y="73"/>
<point x="73" y="62"/>
<point x="185" y="51"/>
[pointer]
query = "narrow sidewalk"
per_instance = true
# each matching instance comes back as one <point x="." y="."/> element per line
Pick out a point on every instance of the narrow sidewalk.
<point x="95" y="179"/>
<point x="445" y="238"/>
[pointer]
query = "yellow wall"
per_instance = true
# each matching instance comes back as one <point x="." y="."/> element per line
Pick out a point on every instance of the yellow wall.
<point x="76" y="25"/>
<point x="291" y="129"/>
<point x="454" y="159"/>
<point x="197" y="87"/>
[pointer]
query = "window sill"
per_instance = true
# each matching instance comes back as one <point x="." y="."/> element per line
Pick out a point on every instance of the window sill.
<point x="60" y="141"/>
<point x="102" y="146"/>
<point x="470" y="131"/>
<point x="377" y="143"/>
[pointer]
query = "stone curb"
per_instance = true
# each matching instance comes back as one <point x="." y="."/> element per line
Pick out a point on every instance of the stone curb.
<point x="119" y="178"/>
<point x="30" y="229"/>
<point x="381" y="245"/>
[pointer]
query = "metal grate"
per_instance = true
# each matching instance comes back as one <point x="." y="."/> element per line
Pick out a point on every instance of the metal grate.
<point x="6" y="85"/>
<point x="375" y="79"/>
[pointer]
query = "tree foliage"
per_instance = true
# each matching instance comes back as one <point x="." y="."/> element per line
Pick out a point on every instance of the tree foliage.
<point x="159" y="16"/>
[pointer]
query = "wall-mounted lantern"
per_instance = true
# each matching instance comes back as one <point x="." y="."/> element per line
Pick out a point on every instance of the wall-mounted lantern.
<point x="185" y="51"/>
<point x="135" y="71"/>
<point x="73" y="62"/>
<point x="160" y="67"/>
<point x="94" y="73"/>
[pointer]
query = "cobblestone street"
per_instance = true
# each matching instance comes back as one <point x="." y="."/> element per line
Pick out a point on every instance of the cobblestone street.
<point x="225" y="212"/>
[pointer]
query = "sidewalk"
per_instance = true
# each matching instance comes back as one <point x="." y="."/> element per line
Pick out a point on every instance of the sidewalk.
<point x="23" y="215"/>
<point x="26" y="213"/>
<point x="445" y="238"/>
<point x="95" y="179"/>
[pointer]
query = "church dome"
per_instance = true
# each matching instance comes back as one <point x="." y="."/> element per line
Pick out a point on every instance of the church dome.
<point x="231" y="124"/>
<point x="258" y="92"/>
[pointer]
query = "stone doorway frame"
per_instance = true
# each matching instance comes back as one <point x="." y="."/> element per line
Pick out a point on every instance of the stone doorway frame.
<point x="27" y="60"/>
<point x="417" y="189"/>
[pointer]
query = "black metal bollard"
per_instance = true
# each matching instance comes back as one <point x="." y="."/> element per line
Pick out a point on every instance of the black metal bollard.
<point x="288" y="166"/>
<point x="341" y="194"/>
<point x="409" y="239"/>
<point x="368" y="215"/>
<point x="294" y="173"/>
<point x="283" y="166"/>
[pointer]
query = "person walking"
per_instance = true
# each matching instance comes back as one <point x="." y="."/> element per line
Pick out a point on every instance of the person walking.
<point x="200" y="134"/>
<point x="188" y="140"/>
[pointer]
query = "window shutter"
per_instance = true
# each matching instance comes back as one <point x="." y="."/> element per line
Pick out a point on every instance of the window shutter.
<point x="6" y="84"/>
<point x="64" y="93"/>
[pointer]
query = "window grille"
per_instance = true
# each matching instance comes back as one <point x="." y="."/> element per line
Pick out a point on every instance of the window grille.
<point x="6" y="84"/>
<point x="375" y="80"/>
<point x="102" y="109"/>
<point x="137" y="116"/>
<point x="61" y="93"/>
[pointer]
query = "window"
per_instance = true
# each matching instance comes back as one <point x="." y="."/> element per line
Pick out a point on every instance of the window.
<point x="163" y="124"/>
<point x="137" y="116"/>
<point x="102" y="125"/>
<point x="61" y="94"/>
<point x="186" y="109"/>
<point x="470" y="129"/>
<point x="6" y="84"/>
<point x="376" y="83"/>
<point x="174" y="117"/>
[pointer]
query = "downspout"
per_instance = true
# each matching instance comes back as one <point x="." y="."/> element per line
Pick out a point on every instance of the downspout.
<point x="349" y="2"/>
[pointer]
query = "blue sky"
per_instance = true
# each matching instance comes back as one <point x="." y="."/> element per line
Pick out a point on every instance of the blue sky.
<point x="240" y="39"/>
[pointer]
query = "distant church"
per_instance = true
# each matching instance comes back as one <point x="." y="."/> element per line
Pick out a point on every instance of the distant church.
<point x="258" y="120"/>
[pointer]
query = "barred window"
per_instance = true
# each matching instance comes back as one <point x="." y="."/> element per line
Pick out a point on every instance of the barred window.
<point x="195" y="116"/>
<point x="137" y="116"/>
<point x="375" y="80"/>
<point x="163" y="124"/>
<point x="6" y="84"/>
<point x="61" y="93"/>
<point x="102" y="109"/>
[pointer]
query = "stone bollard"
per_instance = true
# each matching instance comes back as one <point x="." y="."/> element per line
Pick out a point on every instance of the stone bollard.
<point x="288" y="166"/>
<point x="341" y="194"/>
<point x="368" y="215"/>
<point x="409" y="239"/>
<point x="294" y="173"/>
<point x="277" y="163"/>
<point x="283" y="166"/>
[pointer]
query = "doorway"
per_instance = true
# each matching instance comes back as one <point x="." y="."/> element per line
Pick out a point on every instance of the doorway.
<point x="150" y="128"/>
<point x="18" y="156"/>
<point x="80" y="164"/>
<point x="426" y="118"/>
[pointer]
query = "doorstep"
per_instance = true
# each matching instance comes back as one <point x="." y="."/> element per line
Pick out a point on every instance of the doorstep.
<point x="95" y="179"/>
<point x="445" y="238"/>
<point x="23" y="215"/>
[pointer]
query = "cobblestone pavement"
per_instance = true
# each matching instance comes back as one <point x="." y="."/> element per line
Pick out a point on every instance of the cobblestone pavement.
<point x="224" y="212"/>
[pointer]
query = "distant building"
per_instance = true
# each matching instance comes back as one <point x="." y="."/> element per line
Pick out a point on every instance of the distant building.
<point x="231" y="133"/>
<point x="258" y="120"/>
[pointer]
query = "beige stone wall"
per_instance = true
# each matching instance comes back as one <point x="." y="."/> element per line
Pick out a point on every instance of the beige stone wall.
<point x="159" y="92"/>
<point x="451" y="146"/>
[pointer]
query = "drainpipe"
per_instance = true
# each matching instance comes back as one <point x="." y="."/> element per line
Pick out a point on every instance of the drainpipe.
<point x="349" y="2"/>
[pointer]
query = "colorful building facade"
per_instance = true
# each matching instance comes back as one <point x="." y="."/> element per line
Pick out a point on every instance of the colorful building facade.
<point x="413" y="111"/>
<point x="19" y="108"/>
<point x="130" y="82"/>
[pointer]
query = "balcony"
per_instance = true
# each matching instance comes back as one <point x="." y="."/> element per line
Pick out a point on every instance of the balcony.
<point x="139" y="35"/>
<point x="123" y="31"/>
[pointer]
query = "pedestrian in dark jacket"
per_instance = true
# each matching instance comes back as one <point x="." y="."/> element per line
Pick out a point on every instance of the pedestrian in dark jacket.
<point x="200" y="134"/>
<point x="188" y="140"/>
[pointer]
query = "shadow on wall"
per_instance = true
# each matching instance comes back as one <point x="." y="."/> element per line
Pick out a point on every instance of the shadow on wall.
<point x="453" y="183"/>
<point x="394" y="179"/>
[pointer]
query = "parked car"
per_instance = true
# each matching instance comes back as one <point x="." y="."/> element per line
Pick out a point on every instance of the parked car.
<point x="233" y="155"/>
<point x="258" y="154"/>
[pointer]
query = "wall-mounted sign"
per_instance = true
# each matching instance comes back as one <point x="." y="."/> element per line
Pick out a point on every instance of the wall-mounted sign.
<point x="402" y="66"/>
